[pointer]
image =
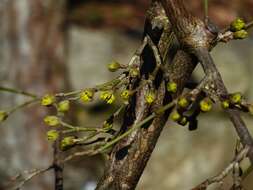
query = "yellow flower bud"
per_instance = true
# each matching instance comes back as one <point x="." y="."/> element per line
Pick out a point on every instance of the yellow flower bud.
<point x="125" y="94"/>
<point x="86" y="96"/>
<point x="242" y="34"/>
<point x="150" y="97"/>
<point x="172" y="87"/>
<point x="237" y="25"/>
<point x="183" y="102"/>
<point x="63" y="106"/>
<point x="51" y="120"/>
<point x="175" y="116"/>
<point x="67" y="142"/>
<point x="47" y="100"/>
<point x="134" y="72"/>
<point x="205" y="105"/>
<point x="52" y="135"/>
<point x="3" y="116"/>
<point x="113" y="66"/>
<point x="225" y="104"/>
<point x="236" y="98"/>
<point x="107" y="96"/>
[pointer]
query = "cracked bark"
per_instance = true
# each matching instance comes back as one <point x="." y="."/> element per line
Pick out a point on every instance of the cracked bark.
<point x="129" y="157"/>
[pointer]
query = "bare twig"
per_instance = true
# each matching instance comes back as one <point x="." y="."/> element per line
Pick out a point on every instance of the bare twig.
<point x="27" y="175"/>
<point x="15" y="91"/>
<point x="218" y="178"/>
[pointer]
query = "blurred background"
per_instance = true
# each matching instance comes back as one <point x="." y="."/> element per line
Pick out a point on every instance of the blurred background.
<point x="58" y="45"/>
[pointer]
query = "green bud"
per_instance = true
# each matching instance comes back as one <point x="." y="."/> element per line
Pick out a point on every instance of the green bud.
<point x="175" y="116"/>
<point x="52" y="135"/>
<point x="107" y="96"/>
<point x="67" y="142"/>
<point x="47" y="100"/>
<point x="86" y="95"/>
<point x="113" y="66"/>
<point x="183" y="102"/>
<point x="242" y="34"/>
<point x="125" y="94"/>
<point x="134" y="72"/>
<point x="107" y="124"/>
<point x="183" y="121"/>
<point x="236" y="98"/>
<point x="205" y="105"/>
<point x="150" y="97"/>
<point x="3" y="116"/>
<point x="51" y="120"/>
<point x="225" y="104"/>
<point x="63" y="106"/>
<point x="172" y="87"/>
<point x="237" y="25"/>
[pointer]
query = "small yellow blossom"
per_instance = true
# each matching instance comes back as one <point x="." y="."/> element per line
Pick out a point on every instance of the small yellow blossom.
<point x="47" y="100"/>
<point x="134" y="72"/>
<point x="107" y="96"/>
<point x="236" y="98"/>
<point x="175" y="116"/>
<point x="172" y="87"/>
<point x="125" y="94"/>
<point x="183" y="102"/>
<point x="113" y="66"/>
<point x="63" y="106"/>
<point x="67" y="142"/>
<point x="52" y="120"/>
<point x="150" y="97"/>
<point x="86" y="96"/>
<point x="225" y="104"/>
<point x="242" y="34"/>
<point x="52" y="135"/>
<point x="205" y="105"/>
<point x="237" y="25"/>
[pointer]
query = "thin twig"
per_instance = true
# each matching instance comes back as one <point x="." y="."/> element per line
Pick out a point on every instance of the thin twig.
<point x="218" y="178"/>
<point x="31" y="175"/>
<point x="15" y="91"/>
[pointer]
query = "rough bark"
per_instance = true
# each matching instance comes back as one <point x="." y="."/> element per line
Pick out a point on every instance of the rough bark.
<point x="130" y="156"/>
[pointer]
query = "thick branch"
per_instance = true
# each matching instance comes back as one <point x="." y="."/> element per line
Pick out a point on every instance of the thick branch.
<point x="129" y="157"/>
<point x="193" y="34"/>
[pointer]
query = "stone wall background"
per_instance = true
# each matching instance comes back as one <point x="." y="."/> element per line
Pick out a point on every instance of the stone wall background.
<point x="181" y="159"/>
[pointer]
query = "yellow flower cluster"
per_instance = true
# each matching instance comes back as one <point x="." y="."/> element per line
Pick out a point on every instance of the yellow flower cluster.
<point x="236" y="98"/>
<point x="67" y="141"/>
<point x="107" y="96"/>
<point x="51" y="120"/>
<point x="150" y="97"/>
<point x="113" y="66"/>
<point x="172" y="87"/>
<point x="183" y="102"/>
<point x="125" y="94"/>
<point x="238" y="29"/>
<point x="47" y="100"/>
<point x="87" y="95"/>
<point x="205" y="105"/>
<point x="63" y="106"/>
<point x="52" y="135"/>
<point x="237" y="25"/>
